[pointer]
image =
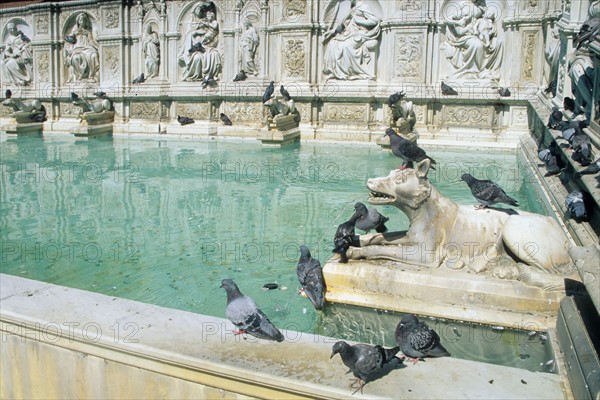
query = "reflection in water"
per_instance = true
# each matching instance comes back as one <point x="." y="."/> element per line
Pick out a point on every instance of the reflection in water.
<point x="164" y="222"/>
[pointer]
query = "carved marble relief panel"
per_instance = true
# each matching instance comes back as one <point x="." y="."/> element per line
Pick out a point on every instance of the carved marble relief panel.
<point x="294" y="10"/>
<point x="69" y="110"/>
<point x="246" y="112"/>
<point x="111" y="18"/>
<point x="42" y="24"/>
<point x="468" y="115"/>
<point x="42" y="65"/>
<point x="519" y="116"/>
<point x="349" y="113"/>
<point x="408" y="55"/>
<point x="528" y="56"/>
<point x="111" y="62"/>
<point x="294" y="58"/>
<point x="146" y="110"/>
<point x="194" y="110"/>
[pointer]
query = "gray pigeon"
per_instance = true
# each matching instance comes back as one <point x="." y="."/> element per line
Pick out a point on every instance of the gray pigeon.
<point x="363" y="360"/>
<point x="417" y="340"/>
<point x="240" y="76"/>
<point x="268" y="92"/>
<point x="344" y="238"/>
<point x="310" y="276"/>
<point x="285" y="93"/>
<point x="140" y="79"/>
<point x="576" y="205"/>
<point x="8" y="93"/>
<point x="448" y="90"/>
<point x="550" y="159"/>
<point x="487" y="192"/>
<point x="369" y="218"/>
<point x="588" y="32"/>
<point x="246" y="316"/>
<point x="395" y="97"/>
<point x="207" y="81"/>
<point x="504" y="92"/>
<point x="406" y="150"/>
<point x="185" y="120"/>
<point x="225" y="119"/>
<point x="74" y="96"/>
<point x="594" y="168"/>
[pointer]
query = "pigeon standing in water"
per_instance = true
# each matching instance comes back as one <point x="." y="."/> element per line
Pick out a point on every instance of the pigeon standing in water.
<point x="268" y="92"/>
<point x="241" y="76"/>
<point x="448" y="90"/>
<point x="406" y="150"/>
<point x="185" y="120"/>
<point x="487" y="192"/>
<point x="592" y="169"/>
<point x="417" y="340"/>
<point x="369" y="218"/>
<point x="576" y="205"/>
<point x="285" y="93"/>
<point x="363" y="360"/>
<point x="310" y="276"/>
<point x="225" y="119"/>
<point x="344" y="238"/>
<point x="246" y="316"/>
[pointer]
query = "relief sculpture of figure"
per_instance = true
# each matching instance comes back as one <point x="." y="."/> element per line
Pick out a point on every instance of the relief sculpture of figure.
<point x="199" y="55"/>
<point x="249" y="44"/>
<point x="81" y="51"/>
<point x="151" y="48"/>
<point x="473" y="45"/>
<point x="16" y="58"/>
<point x="351" y="46"/>
<point x="552" y="56"/>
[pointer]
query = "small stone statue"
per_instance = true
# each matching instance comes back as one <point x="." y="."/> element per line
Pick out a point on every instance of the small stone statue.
<point x="151" y="49"/>
<point x="249" y="44"/>
<point x="81" y="51"/>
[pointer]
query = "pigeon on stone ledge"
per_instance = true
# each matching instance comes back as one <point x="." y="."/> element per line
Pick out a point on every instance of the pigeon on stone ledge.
<point x="594" y="168"/>
<point x="406" y="150"/>
<point x="140" y="79"/>
<point x="246" y="316"/>
<point x="448" y="90"/>
<point x="504" y="92"/>
<point x="185" y="120"/>
<point x="575" y="205"/>
<point x="369" y="218"/>
<point x="487" y="192"/>
<point x="310" y="276"/>
<point x="240" y="76"/>
<point x="344" y="238"/>
<point x="284" y="93"/>
<point x="8" y="93"/>
<point x="268" y="92"/>
<point x="225" y="119"/>
<point x="417" y="340"/>
<point x="363" y="360"/>
<point x="395" y="97"/>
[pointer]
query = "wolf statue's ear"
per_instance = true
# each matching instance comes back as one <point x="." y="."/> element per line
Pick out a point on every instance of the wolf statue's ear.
<point x="422" y="168"/>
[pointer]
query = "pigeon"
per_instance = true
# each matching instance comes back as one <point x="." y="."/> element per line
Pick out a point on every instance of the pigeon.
<point x="185" y="120"/>
<point x="71" y="39"/>
<point x="8" y="93"/>
<point x="555" y="119"/>
<point x="369" y="218"/>
<point x="38" y="117"/>
<point x="551" y="88"/>
<point x="344" y="238"/>
<point x="569" y="104"/>
<point x="285" y="93"/>
<point x="310" y="276"/>
<point x="395" y="97"/>
<point x="241" y="76"/>
<point x="487" y="192"/>
<point x="196" y="47"/>
<point x="100" y="94"/>
<point x="246" y="316"/>
<point x="582" y="149"/>
<point x="406" y="150"/>
<point x="208" y="80"/>
<point x="74" y="96"/>
<point x="205" y="7"/>
<point x="417" y="340"/>
<point x="588" y="32"/>
<point x="25" y="38"/>
<point x="594" y="168"/>
<point x="504" y="92"/>
<point x="139" y="79"/>
<point x="225" y="119"/>
<point x="550" y="159"/>
<point x="576" y="206"/>
<point x="448" y="90"/>
<point x="363" y="360"/>
<point x="268" y="92"/>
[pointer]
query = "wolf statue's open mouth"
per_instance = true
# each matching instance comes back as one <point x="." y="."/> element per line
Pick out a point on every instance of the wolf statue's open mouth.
<point x="380" y="198"/>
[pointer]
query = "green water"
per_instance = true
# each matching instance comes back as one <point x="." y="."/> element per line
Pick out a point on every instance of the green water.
<point x="164" y="222"/>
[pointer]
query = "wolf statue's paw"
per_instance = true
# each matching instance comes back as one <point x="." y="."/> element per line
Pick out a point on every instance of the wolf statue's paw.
<point x="532" y="277"/>
<point x="505" y="268"/>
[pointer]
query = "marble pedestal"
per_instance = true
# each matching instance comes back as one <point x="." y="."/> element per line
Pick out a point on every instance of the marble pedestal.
<point x="282" y="131"/>
<point x="25" y="129"/>
<point x="441" y="293"/>
<point x="95" y="125"/>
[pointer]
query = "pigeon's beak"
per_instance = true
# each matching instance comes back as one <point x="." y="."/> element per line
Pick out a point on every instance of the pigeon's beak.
<point x="331" y="356"/>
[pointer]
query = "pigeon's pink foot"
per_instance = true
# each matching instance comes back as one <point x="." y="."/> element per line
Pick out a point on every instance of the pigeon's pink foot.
<point x="480" y="207"/>
<point x="238" y="332"/>
<point x="414" y="360"/>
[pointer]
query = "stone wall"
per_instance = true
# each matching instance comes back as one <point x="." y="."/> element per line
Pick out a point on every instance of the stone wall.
<point x="339" y="60"/>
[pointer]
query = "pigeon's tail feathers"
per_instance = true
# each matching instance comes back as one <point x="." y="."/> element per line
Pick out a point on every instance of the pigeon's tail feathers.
<point x="381" y="228"/>
<point x="438" y="351"/>
<point x="511" y="201"/>
<point x="388" y="354"/>
<point x="262" y="328"/>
